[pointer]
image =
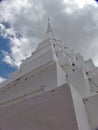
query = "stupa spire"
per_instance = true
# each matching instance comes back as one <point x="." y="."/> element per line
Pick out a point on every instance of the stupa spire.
<point x="49" y="28"/>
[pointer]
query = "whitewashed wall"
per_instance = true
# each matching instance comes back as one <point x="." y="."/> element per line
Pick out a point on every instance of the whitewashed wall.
<point x="53" y="110"/>
<point x="79" y="80"/>
<point x="44" y="79"/>
<point x="91" y="104"/>
<point x="80" y="111"/>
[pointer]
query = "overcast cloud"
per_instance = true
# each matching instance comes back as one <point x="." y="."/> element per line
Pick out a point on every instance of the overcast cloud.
<point x="75" y="21"/>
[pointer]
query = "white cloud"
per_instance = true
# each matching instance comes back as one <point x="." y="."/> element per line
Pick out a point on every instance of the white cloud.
<point x="22" y="16"/>
<point x="80" y="3"/>
<point x="20" y="47"/>
<point x="73" y="20"/>
<point x="2" y="79"/>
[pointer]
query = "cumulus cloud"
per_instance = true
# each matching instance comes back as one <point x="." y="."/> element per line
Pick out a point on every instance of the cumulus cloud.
<point x="2" y="79"/>
<point x="20" y="46"/>
<point x="75" y="21"/>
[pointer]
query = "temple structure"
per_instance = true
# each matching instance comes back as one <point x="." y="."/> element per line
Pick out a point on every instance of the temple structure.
<point x="54" y="89"/>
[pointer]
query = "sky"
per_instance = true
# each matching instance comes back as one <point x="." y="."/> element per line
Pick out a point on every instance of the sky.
<point x="23" y="25"/>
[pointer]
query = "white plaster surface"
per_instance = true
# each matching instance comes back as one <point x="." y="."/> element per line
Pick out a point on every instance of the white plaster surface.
<point x="90" y="65"/>
<point x="64" y="60"/>
<point x="81" y="114"/>
<point x="91" y="104"/>
<point x="42" y="80"/>
<point x="79" y="80"/>
<point x="53" y="110"/>
<point x="80" y="63"/>
<point x="94" y="80"/>
<point x="34" y="63"/>
<point x="61" y="76"/>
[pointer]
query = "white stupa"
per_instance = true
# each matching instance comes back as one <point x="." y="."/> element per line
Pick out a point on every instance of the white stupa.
<point x="54" y="89"/>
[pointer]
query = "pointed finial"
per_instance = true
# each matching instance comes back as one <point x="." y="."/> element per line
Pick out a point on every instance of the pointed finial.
<point x="49" y="28"/>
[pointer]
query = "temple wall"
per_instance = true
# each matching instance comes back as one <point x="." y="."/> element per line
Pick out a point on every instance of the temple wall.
<point x="79" y="80"/>
<point x="53" y="110"/>
<point x="46" y="78"/>
<point x="81" y="114"/>
<point x="91" y="104"/>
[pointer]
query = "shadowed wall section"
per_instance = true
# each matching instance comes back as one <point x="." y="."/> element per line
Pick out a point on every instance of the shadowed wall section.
<point x="52" y="110"/>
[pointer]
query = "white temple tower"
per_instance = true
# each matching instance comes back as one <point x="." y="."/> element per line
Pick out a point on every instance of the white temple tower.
<point x="54" y="89"/>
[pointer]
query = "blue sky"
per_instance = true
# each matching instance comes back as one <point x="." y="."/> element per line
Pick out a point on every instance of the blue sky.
<point x="23" y="24"/>
<point x="5" y="68"/>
